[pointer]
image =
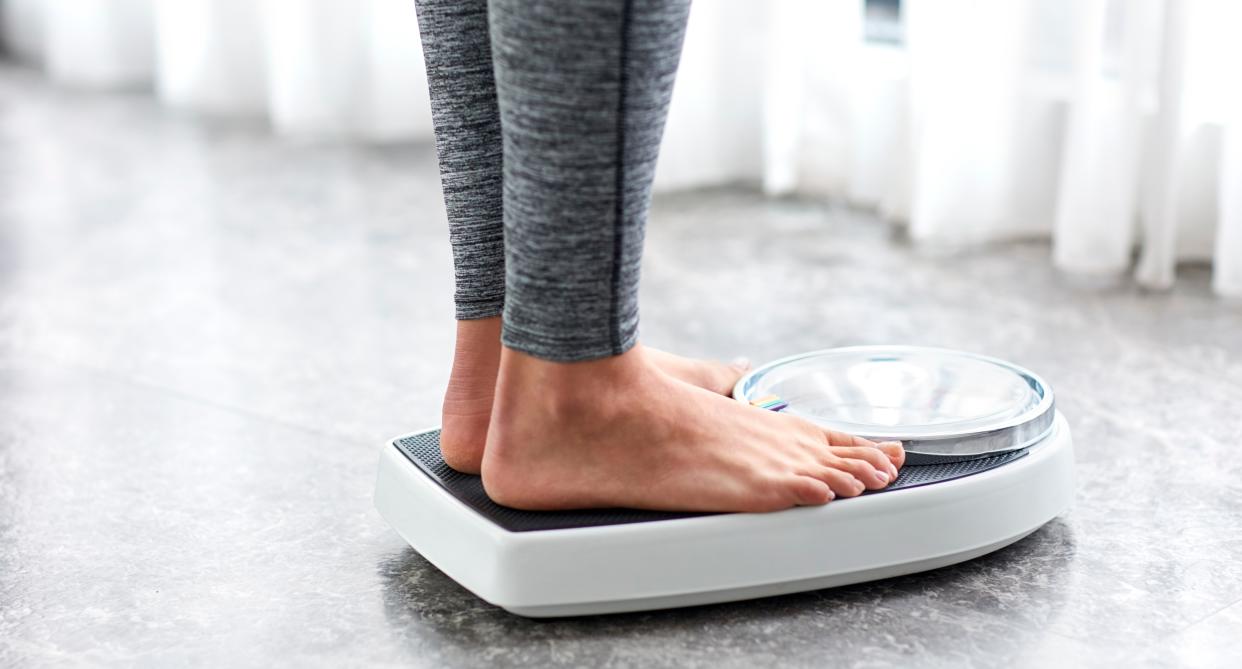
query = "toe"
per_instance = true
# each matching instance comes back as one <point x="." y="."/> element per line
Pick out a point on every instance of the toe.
<point x="842" y="439"/>
<point x="895" y="451"/>
<point x="811" y="492"/>
<point x="842" y="482"/>
<point x="874" y="457"/>
<point x="874" y="478"/>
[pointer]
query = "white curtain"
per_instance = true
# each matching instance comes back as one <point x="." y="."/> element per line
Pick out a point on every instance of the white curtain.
<point x="97" y="43"/>
<point x="1112" y="126"/>
<point x="315" y="68"/>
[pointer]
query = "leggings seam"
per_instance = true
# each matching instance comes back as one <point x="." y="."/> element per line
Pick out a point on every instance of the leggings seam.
<point x="618" y="236"/>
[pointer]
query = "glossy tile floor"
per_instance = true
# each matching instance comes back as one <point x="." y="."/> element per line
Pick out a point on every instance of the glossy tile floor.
<point x="205" y="335"/>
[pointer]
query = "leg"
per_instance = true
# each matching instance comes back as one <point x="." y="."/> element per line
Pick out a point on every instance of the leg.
<point x="466" y="116"/>
<point x="583" y="416"/>
<point x="467" y="127"/>
<point x="584" y="89"/>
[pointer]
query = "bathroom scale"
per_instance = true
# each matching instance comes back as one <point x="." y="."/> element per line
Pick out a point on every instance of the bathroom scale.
<point x="988" y="461"/>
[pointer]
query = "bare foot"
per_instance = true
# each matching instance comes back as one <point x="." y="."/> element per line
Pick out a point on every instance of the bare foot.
<point x="714" y="375"/>
<point x="468" y="400"/>
<point x="620" y="432"/>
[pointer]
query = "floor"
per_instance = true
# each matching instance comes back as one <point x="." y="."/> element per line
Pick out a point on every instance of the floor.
<point x="206" y="334"/>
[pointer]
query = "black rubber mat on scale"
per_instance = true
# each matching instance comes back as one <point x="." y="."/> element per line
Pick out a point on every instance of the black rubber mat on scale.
<point x="424" y="450"/>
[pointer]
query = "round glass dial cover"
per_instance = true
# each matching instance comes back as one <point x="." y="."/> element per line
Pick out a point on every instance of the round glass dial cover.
<point x="937" y="399"/>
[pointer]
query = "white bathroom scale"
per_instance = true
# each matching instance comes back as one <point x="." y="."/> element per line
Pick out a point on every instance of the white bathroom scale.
<point x="989" y="460"/>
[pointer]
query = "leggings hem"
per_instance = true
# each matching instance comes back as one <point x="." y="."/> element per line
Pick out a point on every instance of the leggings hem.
<point x="564" y="350"/>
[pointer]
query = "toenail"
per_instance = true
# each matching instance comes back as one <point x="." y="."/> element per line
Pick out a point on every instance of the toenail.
<point x="741" y="362"/>
<point x="882" y="477"/>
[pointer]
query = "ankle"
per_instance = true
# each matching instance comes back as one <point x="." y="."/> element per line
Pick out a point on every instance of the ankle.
<point x="467" y="403"/>
<point x="566" y="389"/>
<point x="476" y="358"/>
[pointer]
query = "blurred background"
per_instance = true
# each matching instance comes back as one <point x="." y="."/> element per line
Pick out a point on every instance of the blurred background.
<point x="1110" y="127"/>
<point x="225" y="282"/>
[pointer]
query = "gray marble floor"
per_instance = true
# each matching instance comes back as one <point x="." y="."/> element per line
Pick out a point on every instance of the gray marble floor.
<point x="205" y="334"/>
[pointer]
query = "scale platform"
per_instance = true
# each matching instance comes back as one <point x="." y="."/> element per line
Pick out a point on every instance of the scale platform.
<point x="1009" y="471"/>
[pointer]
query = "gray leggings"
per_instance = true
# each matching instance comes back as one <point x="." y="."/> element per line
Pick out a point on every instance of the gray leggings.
<point x="548" y="116"/>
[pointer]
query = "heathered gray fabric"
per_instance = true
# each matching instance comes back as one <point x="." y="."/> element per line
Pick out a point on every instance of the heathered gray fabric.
<point x="582" y="88"/>
<point x="467" y="127"/>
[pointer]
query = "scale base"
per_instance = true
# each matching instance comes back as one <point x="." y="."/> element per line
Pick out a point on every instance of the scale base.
<point x="585" y="563"/>
<point x="758" y="591"/>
